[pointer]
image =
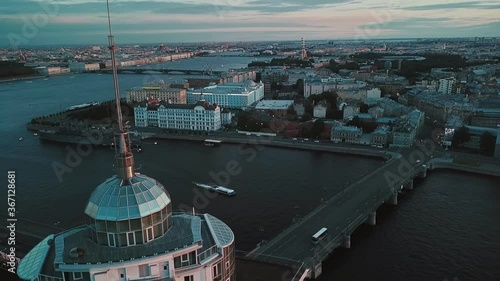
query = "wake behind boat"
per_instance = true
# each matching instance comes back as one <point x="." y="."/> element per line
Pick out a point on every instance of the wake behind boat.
<point x="217" y="188"/>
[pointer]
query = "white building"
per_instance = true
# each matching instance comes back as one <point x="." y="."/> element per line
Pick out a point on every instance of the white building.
<point x="446" y="86"/>
<point x="170" y="95"/>
<point x="373" y="94"/>
<point x="350" y="110"/>
<point x="275" y="107"/>
<point x="226" y="117"/>
<point x="229" y="95"/>
<point x="131" y="234"/>
<point x="201" y="116"/>
<point x="315" y="85"/>
<point x="346" y="134"/>
<point x="319" y="110"/>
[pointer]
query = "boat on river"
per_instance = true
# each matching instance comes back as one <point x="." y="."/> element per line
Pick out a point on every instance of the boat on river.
<point x="217" y="188"/>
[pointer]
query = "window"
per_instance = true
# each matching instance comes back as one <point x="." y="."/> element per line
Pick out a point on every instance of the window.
<point x="77" y="276"/>
<point x="130" y="238"/>
<point x="185" y="260"/>
<point x="189" y="278"/>
<point x="217" y="270"/>
<point x="144" y="270"/>
<point x="111" y="240"/>
<point x="149" y="234"/>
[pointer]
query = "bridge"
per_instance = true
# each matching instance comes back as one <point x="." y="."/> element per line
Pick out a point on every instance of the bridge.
<point x="342" y="214"/>
<point x="163" y="70"/>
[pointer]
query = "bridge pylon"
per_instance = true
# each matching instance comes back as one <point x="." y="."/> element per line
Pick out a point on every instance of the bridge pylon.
<point x="372" y="219"/>
<point x="393" y="200"/>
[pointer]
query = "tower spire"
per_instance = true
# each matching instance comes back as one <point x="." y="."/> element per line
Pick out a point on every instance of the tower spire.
<point x="123" y="155"/>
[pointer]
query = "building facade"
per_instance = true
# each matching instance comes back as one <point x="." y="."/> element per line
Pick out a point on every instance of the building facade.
<point x="132" y="234"/>
<point x="319" y="111"/>
<point x="403" y="135"/>
<point x="229" y="95"/>
<point x="447" y="86"/>
<point x="201" y="116"/>
<point x="346" y="134"/>
<point x="275" y="107"/>
<point x="171" y="95"/>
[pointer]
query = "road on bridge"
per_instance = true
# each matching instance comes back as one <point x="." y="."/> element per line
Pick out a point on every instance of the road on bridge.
<point x="353" y="203"/>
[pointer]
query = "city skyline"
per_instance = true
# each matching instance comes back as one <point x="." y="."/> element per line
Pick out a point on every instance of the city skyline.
<point x="44" y="22"/>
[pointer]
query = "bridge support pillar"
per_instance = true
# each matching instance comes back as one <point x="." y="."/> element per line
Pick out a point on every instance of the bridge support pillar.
<point x="409" y="185"/>
<point x="372" y="219"/>
<point x="393" y="200"/>
<point x="347" y="242"/>
<point x="318" y="269"/>
<point x="423" y="174"/>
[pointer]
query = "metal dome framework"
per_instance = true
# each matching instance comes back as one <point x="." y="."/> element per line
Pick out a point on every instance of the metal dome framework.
<point x="128" y="212"/>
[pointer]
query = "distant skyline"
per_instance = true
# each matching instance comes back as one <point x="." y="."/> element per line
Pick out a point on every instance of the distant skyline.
<point x="64" y="22"/>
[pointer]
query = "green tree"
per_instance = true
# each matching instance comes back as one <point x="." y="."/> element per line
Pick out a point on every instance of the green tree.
<point x="460" y="136"/>
<point x="355" y="122"/>
<point x="306" y="117"/>
<point x="363" y="108"/>
<point x="487" y="144"/>
<point x="317" y="128"/>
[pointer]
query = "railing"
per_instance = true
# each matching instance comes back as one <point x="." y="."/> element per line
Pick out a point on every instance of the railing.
<point x="208" y="253"/>
<point x="153" y="279"/>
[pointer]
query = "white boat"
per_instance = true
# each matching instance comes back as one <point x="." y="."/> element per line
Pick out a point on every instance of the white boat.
<point x="35" y="134"/>
<point x="156" y="142"/>
<point x="212" y="142"/>
<point x="217" y="188"/>
<point x="21" y="138"/>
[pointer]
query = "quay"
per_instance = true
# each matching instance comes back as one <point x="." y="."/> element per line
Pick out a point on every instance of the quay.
<point x="355" y="205"/>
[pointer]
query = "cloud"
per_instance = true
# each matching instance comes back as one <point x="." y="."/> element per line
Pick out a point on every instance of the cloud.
<point x="453" y="6"/>
<point x="177" y="20"/>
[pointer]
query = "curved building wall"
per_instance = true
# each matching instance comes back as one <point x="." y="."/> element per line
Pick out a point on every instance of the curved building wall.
<point x="130" y="232"/>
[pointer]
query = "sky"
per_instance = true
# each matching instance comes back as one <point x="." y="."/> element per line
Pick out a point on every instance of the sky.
<point x="47" y="22"/>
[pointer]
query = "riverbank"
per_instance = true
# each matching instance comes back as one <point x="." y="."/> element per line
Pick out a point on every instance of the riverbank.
<point x="19" y="78"/>
<point x="483" y="168"/>
<point x="284" y="143"/>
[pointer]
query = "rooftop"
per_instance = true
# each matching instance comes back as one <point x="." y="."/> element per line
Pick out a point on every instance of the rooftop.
<point x="274" y="104"/>
<point x="163" y="104"/>
<point x="117" y="199"/>
<point x="187" y="230"/>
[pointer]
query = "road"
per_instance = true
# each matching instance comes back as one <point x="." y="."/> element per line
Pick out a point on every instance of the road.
<point x="353" y="204"/>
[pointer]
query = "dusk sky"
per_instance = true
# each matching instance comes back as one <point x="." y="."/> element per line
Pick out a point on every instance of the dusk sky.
<point x="40" y="22"/>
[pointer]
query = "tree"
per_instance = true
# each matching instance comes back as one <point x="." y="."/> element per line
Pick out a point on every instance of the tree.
<point x="317" y="128"/>
<point x="306" y="117"/>
<point x="487" y="144"/>
<point x="460" y="136"/>
<point x="363" y="108"/>
<point x="354" y="122"/>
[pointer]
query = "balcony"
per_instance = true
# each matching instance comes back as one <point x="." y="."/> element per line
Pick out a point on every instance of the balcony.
<point x="152" y="279"/>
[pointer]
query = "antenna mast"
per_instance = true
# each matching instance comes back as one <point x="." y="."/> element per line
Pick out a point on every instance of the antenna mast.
<point x="112" y="47"/>
<point x="123" y="155"/>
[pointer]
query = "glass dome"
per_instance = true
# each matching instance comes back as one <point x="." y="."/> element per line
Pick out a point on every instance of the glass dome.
<point x="128" y="212"/>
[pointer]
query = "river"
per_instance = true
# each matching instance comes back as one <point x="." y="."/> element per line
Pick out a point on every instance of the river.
<point x="445" y="228"/>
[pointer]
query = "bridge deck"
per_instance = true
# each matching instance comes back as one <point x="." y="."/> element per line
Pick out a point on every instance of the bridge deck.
<point x="341" y="214"/>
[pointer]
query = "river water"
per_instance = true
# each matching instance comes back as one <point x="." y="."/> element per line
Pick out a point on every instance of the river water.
<point x="446" y="228"/>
